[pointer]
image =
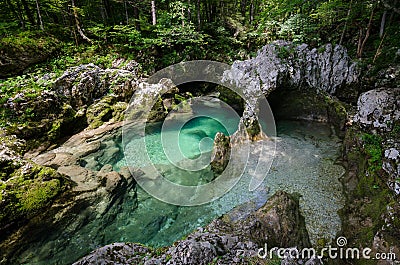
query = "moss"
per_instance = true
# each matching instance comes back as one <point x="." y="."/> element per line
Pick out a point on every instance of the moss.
<point x="395" y="132"/>
<point x="231" y="98"/>
<point x="284" y="52"/>
<point x="157" y="113"/>
<point x="28" y="190"/>
<point x="373" y="148"/>
<point x="2" y="189"/>
<point x="368" y="200"/>
<point x="267" y="261"/>
<point x="37" y="195"/>
<point x="100" y="112"/>
<point x="322" y="49"/>
<point x="253" y="129"/>
<point x="54" y="132"/>
<point x="118" y="111"/>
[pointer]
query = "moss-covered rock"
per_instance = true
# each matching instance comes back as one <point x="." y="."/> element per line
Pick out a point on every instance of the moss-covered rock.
<point x="221" y="153"/>
<point x="27" y="190"/>
<point x="306" y="104"/>
<point x="107" y="109"/>
<point x="24" y="49"/>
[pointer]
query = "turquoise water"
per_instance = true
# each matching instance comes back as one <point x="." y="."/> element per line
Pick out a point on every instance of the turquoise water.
<point x="194" y="138"/>
<point x="304" y="163"/>
<point x="180" y="147"/>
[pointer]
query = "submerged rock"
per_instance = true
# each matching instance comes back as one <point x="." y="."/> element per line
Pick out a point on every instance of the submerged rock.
<point x="56" y="192"/>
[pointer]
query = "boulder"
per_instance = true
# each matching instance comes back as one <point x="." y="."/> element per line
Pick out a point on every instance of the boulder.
<point x="378" y="109"/>
<point x="278" y="223"/>
<point x="84" y="84"/>
<point x="116" y="253"/>
<point x="14" y="59"/>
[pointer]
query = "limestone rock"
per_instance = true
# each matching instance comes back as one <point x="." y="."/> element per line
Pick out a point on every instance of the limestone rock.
<point x="388" y="77"/>
<point x="278" y="223"/>
<point x="391" y="165"/>
<point x="83" y="84"/>
<point x="282" y="64"/>
<point x="79" y="195"/>
<point x="116" y="253"/>
<point x="378" y="109"/>
<point x="221" y="153"/>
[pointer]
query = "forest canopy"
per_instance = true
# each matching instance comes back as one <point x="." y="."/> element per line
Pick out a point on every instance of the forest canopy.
<point x="190" y="29"/>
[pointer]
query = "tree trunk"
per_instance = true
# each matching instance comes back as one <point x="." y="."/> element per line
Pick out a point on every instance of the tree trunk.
<point x="39" y="15"/>
<point x="213" y="12"/>
<point x="108" y="12"/>
<point x="251" y="11"/>
<point x="383" y="22"/>
<point x="392" y="7"/>
<point x="345" y="23"/>
<point x="243" y="7"/>
<point x="153" y="12"/>
<point x="78" y="27"/>
<point x="17" y="13"/>
<point x="183" y="16"/>
<point x="360" y="36"/>
<point x="126" y="13"/>
<point x="198" y="15"/>
<point x="361" y="47"/>
<point x="189" y="12"/>
<point x="136" y="15"/>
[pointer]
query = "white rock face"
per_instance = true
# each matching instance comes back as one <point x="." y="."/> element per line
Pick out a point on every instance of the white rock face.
<point x="282" y="63"/>
<point x="391" y="164"/>
<point x="378" y="108"/>
<point x="392" y="153"/>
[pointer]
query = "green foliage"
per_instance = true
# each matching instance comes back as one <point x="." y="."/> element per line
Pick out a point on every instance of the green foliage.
<point x="284" y="52"/>
<point x="373" y="149"/>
